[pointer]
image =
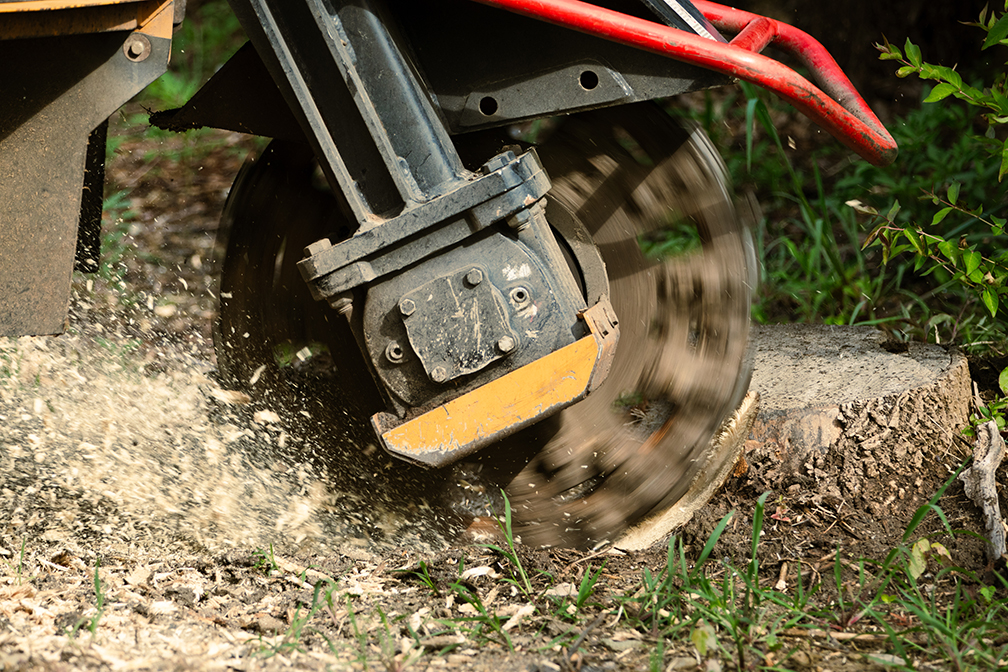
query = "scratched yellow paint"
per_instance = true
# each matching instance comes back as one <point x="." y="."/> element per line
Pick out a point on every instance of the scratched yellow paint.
<point x="41" y="18"/>
<point x="521" y="395"/>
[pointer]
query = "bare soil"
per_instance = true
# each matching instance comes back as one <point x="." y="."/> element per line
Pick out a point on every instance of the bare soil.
<point x="207" y="519"/>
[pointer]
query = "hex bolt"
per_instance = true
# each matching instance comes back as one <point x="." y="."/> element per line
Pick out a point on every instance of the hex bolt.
<point x="474" y="277"/>
<point x="439" y="375"/>
<point x="406" y="307"/>
<point x="506" y="344"/>
<point x="520" y="220"/>
<point x="316" y="247"/>
<point x="343" y="303"/>
<point x="498" y="162"/>
<point x="394" y="352"/>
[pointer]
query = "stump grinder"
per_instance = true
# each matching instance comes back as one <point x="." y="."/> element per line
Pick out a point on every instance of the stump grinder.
<point x="473" y="211"/>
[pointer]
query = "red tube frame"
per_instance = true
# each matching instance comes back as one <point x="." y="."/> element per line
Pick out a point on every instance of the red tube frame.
<point x="840" y="110"/>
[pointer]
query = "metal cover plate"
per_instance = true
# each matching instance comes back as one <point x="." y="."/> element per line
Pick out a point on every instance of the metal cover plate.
<point x="456" y="324"/>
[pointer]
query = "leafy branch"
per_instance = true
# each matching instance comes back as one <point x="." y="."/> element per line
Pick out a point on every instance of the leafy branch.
<point x="961" y="240"/>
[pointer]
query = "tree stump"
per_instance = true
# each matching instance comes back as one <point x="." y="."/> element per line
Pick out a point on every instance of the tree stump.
<point x="847" y="413"/>
<point x="844" y="414"/>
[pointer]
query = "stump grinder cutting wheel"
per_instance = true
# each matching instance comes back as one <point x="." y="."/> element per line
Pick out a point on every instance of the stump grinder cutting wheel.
<point x="672" y="259"/>
<point x="566" y="309"/>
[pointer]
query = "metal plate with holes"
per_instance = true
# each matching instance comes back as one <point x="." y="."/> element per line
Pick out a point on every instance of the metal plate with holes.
<point x="530" y="311"/>
<point x="456" y="324"/>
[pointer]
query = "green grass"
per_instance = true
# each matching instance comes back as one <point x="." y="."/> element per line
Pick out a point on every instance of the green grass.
<point x="206" y="39"/>
<point x="265" y="561"/>
<point x="911" y="606"/>
<point x="99" y="591"/>
<point x="810" y="238"/>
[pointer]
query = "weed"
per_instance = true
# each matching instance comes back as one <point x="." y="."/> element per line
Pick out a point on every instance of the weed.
<point x="522" y="581"/>
<point x="99" y="600"/>
<point x="265" y="561"/>
<point x="956" y="233"/>
<point x="422" y="573"/>
<point x="291" y="639"/>
<point x="587" y="587"/>
<point x="20" y="562"/>
<point x="483" y="624"/>
<point x="734" y="616"/>
<point x="361" y="637"/>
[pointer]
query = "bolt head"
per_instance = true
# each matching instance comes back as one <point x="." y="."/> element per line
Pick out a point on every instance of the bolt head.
<point x="343" y="304"/>
<point x="498" y="162"/>
<point x="439" y="375"/>
<point x="474" y="277"/>
<point x="316" y="247"/>
<point x="406" y="307"/>
<point x="506" y="344"/>
<point x="520" y="220"/>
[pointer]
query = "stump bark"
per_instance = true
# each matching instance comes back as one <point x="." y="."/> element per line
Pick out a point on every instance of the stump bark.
<point x="849" y="414"/>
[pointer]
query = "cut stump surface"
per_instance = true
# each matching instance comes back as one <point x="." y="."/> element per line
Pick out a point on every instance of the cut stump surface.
<point x="845" y="416"/>
<point x="847" y="413"/>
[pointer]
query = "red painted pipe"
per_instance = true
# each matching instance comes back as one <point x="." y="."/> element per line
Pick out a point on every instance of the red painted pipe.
<point x="845" y="115"/>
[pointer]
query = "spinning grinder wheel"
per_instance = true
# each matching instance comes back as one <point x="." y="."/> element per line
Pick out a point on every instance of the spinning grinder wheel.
<point x="653" y="197"/>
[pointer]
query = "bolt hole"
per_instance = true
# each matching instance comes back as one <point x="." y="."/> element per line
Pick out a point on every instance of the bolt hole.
<point x="488" y="106"/>
<point x="519" y="295"/>
<point x="394" y="353"/>
<point x="588" y="80"/>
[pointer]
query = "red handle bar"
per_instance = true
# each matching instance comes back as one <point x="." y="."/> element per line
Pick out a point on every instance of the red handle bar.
<point x="840" y="110"/>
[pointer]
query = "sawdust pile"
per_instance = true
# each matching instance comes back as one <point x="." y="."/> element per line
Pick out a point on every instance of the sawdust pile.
<point x="96" y="448"/>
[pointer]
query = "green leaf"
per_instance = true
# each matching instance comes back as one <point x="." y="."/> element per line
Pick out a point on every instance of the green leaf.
<point x="972" y="260"/>
<point x="893" y="211"/>
<point x="950" y="251"/>
<point x="906" y="71"/>
<point x="940" y="215"/>
<point x="915" y="240"/>
<point x="950" y="76"/>
<point x="913" y="53"/>
<point x="990" y="299"/>
<point x="997" y="225"/>
<point x="1004" y="161"/>
<point x="988" y="593"/>
<point x="997" y="32"/>
<point x="940" y="92"/>
<point x="953" y="192"/>
<point x="1003" y="381"/>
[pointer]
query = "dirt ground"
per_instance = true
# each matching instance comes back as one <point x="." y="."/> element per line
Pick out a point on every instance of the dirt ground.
<point x="207" y="519"/>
